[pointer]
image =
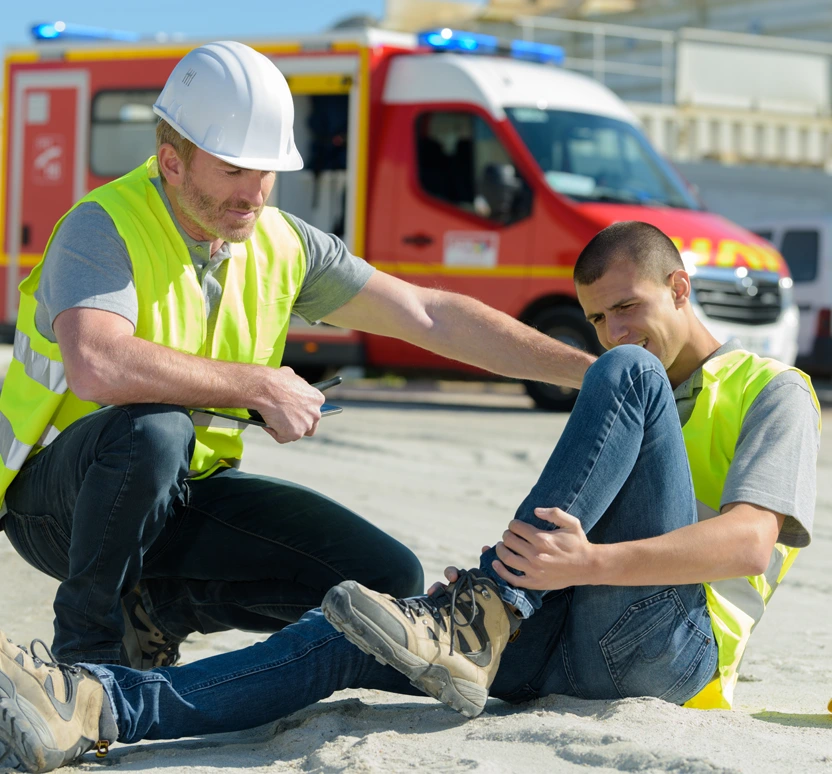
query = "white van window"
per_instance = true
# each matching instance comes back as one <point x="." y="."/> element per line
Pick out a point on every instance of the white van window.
<point x="767" y="235"/>
<point x="800" y="249"/>
<point x="462" y="162"/>
<point x="123" y="131"/>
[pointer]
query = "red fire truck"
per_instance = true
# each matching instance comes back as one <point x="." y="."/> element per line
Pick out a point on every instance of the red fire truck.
<point x="448" y="159"/>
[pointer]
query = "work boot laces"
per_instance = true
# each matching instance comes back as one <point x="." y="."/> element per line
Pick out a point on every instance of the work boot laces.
<point x="50" y="661"/>
<point x="166" y="655"/>
<point x="442" y="604"/>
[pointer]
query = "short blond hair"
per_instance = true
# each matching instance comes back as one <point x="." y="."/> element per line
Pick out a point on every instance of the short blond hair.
<point x="167" y="135"/>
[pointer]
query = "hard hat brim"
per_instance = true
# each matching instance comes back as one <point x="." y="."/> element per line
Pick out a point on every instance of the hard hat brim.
<point x="290" y="162"/>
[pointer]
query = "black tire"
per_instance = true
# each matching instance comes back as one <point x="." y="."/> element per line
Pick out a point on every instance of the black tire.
<point x="566" y="324"/>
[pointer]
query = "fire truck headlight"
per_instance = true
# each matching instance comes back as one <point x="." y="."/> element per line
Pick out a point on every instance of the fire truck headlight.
<point x="787" y="292"/>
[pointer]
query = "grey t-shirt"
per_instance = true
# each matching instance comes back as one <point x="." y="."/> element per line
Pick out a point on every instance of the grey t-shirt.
<point x="774" y="465"/>
<point x="88" y="265"/>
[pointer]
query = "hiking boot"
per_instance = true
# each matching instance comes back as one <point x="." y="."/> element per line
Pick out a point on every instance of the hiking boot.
<point x="144" y="646"/>
<point x="50" y="714"/>
<point x="448" y="644"/>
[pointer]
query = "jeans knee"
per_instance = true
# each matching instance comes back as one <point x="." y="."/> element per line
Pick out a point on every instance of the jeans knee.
<point x="402" y="574"/>
<point x="619" y="366"/>
<point x="160" y="432"/>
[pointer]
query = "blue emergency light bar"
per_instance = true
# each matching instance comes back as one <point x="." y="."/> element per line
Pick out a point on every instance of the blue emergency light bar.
<point x="537" y="52"/>
<point x="63" y="31"/>
<point x="477" y="43"/>
<point x="454" y="40"/>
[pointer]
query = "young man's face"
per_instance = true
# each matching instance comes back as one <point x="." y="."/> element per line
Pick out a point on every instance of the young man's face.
<point x="222" y="200"/>
<point x="628" y="309"/>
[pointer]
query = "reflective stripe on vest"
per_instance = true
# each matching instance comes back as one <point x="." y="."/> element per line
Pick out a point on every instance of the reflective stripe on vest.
<point x="209" y="420"/>
<point x="263" y="278"/>
<point x="730" y="384"/>
<point x="48" y="373"/>
<point x="44" y="372"/>
<point x="13" y="452"/>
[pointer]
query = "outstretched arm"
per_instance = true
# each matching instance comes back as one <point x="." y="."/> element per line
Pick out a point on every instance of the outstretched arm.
<point x="460" y="328"/>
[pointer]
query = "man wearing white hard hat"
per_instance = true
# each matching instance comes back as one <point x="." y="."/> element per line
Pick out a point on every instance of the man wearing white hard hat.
<point x="172" y="287"/>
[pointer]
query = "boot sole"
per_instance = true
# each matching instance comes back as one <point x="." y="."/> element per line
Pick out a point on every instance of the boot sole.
<point x="21" y="748"/>
<point x="436" y="680"/>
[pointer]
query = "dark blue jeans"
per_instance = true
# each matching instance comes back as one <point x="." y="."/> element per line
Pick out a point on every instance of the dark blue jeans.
<point x="108" y="504"/>
<point x="620" y="466"/>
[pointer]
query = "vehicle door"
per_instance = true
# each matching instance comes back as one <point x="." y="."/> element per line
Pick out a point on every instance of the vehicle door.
<point x="802" y="248"/>
<point x="464" y="219"/>
<point x="47" y="164"/>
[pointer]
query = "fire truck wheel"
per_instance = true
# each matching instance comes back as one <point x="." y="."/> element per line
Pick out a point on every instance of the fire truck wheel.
<point x="566" y="324"/>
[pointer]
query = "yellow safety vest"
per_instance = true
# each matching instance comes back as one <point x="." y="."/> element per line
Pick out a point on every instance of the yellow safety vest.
<point x="263" y="279"/>
<point x="730" y="383"/>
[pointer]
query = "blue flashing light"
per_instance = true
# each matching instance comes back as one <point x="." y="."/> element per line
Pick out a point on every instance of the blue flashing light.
<point x="45" y="31"/>
<point x="447" y="39"/>
<point x="453" y="40"/>
<point x="63" y="31"/>
<point x="537" y="52"/>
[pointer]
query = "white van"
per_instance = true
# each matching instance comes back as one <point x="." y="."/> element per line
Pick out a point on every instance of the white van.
<point x="806" y="244"/>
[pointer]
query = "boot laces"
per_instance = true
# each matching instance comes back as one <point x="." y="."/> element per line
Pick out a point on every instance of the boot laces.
<point x="50" y="661"/>
<point x="442" y="604"/>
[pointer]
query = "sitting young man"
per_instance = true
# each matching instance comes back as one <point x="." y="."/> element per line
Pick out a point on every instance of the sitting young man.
<point x="659" y="547"/>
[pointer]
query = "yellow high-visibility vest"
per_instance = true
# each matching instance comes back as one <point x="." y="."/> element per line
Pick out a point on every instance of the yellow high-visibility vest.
<point x="730" y="383"/>
<point x="263" y="279"/>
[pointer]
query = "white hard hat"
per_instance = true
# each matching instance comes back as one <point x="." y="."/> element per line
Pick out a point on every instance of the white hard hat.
<point x="232" y="102"/>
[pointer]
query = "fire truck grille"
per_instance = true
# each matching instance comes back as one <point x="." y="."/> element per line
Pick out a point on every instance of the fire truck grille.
<point x="757" y="302"/>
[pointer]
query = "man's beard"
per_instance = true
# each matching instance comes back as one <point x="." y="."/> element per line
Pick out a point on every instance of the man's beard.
<point x="204" y="210"/>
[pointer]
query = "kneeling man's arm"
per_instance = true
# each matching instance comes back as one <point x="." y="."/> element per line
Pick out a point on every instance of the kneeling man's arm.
<point x="460" y="328"/>
<point x="106" y="364"/>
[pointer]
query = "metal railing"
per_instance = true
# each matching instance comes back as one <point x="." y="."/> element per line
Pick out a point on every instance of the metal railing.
<point x="690" y="132"/>
<point x="599" y="64"/>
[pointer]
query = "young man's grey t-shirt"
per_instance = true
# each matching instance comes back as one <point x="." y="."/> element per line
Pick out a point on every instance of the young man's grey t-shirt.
<point x="88" y="266"/>
<point x="774" y="465"/>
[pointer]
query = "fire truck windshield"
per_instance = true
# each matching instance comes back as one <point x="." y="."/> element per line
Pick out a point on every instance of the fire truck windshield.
<point x="593" y="158"/>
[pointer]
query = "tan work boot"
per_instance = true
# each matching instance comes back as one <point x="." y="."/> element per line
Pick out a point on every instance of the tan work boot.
<point x="50" y="714"/>
<point x="448" y="644"/>
<point x="144" y="646"/>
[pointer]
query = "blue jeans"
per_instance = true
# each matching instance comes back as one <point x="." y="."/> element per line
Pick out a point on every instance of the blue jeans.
<point x="621" y="468"/>
<point x="108" y="505"/>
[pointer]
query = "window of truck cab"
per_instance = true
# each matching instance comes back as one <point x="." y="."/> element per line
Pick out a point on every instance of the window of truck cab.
<point x="593" y="158"/>
<point x="461" y="162"/>
<point x="123" y="131"/>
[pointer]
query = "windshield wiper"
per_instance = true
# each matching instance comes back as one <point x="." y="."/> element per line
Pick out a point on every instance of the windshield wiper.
<point x="620" y="196"/>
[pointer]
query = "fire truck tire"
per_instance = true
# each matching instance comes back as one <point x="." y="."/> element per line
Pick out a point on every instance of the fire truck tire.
<point x="566" y="324"/>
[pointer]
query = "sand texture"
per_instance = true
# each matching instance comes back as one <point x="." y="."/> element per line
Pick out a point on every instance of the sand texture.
<point x="444" y="476"/>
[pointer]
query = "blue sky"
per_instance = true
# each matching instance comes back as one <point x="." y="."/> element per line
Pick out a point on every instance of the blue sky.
<point x="195" y="18"/>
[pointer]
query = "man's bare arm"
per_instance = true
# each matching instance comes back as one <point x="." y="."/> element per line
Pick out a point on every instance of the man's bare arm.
<point x="107" y="364"/>
<point x="460" y="328"/>
<point x="734" y="544"/>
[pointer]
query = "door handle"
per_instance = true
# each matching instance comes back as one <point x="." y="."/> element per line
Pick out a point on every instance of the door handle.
<point x="418" y="240"/>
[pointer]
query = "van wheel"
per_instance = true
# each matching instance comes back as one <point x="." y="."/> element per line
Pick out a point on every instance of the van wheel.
<point x="568" y="325"/>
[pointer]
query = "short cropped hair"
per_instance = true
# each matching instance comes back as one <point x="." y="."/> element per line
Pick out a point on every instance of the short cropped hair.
<point x="648" y="249"/>
<point x="166" y="134"/>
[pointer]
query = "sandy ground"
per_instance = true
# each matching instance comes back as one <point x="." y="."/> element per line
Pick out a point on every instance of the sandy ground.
<point x="443" y="474"/>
